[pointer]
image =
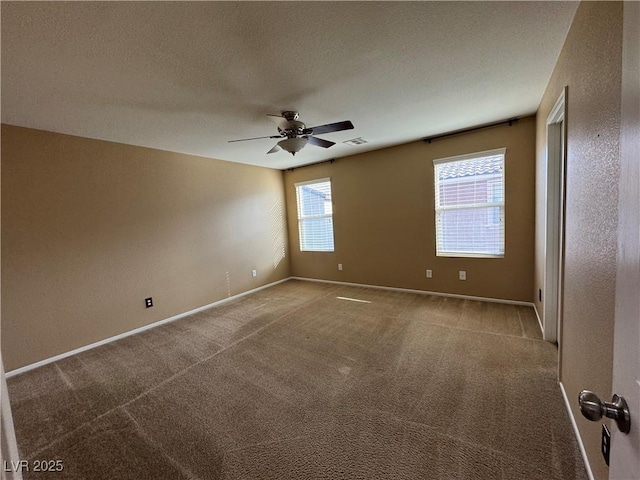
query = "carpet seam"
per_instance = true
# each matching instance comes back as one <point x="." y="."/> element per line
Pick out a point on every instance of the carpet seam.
<point x="173" y="377"/>
<point x="124" y="406"/>
<point x="486" y="333"/>
<point x="417" y="296"/>
<point x="458" y="439"/>
<point x="150" y="440"/>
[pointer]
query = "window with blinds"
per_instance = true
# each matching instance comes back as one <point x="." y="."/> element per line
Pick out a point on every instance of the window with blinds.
<point x="315" y="215"/>
<point x="469" y="192"/>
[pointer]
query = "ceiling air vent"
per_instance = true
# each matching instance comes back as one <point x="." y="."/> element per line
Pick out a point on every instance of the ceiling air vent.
<point x="356" y="141"/>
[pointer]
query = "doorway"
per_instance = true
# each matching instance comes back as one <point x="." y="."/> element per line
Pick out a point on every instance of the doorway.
<point x="554" y="222"/>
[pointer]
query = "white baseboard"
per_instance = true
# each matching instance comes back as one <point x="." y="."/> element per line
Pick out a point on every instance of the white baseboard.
<point x="577" y="432"/>
<point x="46" y="361"/>
<point x="421" y="292"/>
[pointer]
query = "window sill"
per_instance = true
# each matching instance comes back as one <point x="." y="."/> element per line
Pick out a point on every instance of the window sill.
<point x="469" y="255"/>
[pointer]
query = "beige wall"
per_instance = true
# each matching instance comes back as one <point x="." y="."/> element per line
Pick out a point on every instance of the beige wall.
<point x="590" y="65"/>
<point x="91" y="228"/>
<point x="384" y="218"/>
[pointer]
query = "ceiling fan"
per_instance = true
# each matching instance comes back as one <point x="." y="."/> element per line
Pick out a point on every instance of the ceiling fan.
<point x="295" y="134"/>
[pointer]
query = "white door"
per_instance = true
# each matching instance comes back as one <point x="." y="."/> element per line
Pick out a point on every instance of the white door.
<point x="625" y="449"/>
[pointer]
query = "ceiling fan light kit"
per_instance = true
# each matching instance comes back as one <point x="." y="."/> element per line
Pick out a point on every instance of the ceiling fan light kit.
<point x="291" y="145"/>
<point x="295" y="134"/>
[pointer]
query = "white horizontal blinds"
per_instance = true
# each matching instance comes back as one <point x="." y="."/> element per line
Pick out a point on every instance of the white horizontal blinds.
<point x="469" y="199"/>
<point x="315" y="215"/>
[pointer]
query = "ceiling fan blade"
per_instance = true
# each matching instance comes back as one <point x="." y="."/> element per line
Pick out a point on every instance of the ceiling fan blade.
<point x="331" y="127"/>
<point x="279" y="120"/>
<point x="275" y="149"/>
<point x="254" y="138"/>
<point x="319" y="142"/>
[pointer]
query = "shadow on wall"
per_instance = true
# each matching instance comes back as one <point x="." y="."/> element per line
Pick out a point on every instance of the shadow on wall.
<point x="278" y="233"/>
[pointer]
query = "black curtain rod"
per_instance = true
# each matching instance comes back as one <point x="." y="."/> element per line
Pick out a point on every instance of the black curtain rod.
<point x="511" y="121"/>
<point x="331" y="160"/>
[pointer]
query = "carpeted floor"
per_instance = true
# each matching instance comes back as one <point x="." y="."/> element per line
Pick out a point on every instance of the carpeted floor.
<point x="295" y="382"/>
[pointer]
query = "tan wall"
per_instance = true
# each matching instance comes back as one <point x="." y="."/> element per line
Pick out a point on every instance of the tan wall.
<point x="384" y="218"/>
<point x="590" y="64"/>
<point x="92" y="228"/>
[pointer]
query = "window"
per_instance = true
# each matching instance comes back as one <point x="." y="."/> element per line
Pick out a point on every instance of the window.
<point x="469" y="193"/>
<point x="315" y="215"/>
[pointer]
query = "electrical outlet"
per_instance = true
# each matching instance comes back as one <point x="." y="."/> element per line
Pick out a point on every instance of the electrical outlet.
<point x="340" y="266"/>
<point x="429" y="273"/>
<point x="606" y="443"/>
<point x="254" y="273"/>
<point x="462" y="275"/>
<point x="148" y="302"/>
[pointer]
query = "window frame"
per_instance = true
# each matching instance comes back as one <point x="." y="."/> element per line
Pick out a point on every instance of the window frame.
<point x="501" y="204"/>
<point x="301" y="217"/>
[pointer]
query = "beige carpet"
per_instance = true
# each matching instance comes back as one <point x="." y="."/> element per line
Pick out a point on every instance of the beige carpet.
<point x="293" y="382"/>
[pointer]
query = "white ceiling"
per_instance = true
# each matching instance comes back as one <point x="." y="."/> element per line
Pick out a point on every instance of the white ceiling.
<point x="188" y="77"/>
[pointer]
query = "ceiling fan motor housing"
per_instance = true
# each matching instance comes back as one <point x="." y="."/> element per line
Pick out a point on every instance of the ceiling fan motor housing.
<point x="296" y="135"/>
<point x="293" y="128"/>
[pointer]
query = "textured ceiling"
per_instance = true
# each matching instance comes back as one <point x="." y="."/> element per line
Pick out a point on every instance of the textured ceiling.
<point x="189" y="76"/>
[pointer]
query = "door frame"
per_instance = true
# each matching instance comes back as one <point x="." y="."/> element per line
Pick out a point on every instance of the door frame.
<point x="556" y="127"/>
